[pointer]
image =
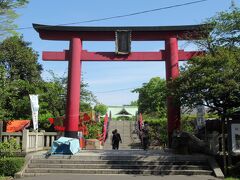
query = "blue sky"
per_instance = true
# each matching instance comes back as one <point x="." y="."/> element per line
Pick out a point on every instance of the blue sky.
<point x="104" y="78"/>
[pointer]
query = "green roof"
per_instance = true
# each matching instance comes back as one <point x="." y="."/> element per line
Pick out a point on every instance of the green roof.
<point x="117" y="111"/>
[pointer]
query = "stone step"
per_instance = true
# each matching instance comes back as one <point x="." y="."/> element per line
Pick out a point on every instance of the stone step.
<point x="152" y="162"/>
<point x="129" y="162"/>
<point x="124" y="129"/>
<point x="119" y="124"/>
<point x="124" y="147"/>
<point x="124" y="141"/>
<point x="119" y="128"/>
<point x="121" y="145"/>
<point x="119" y="166"/>
<point x="129" y="155"/>
<point x="35" y="171"/>
<point x="122" y="137"/>
<point x="120" y="148"/>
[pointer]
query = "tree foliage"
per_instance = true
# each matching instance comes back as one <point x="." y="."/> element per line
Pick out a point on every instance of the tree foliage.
<point x="56" y="90"/>
<point x="19" y="60"/>
<point x="19" y="77"/>
<point x="134" y="103"/>
<point x="86" y="95"/>
<point x="9" y="148"/>
<point x="100" y="108"/>
<point x="8" y="15"/>
<point x="152" y="97"/>
<point x="225" y="30"/>
<point x="213" y="80"/>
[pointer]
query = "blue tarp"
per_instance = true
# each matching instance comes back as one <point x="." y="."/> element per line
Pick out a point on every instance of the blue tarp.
<point x="65" y="145"/>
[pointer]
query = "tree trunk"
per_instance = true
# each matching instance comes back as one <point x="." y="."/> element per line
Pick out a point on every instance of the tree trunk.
<point x="224" y="146"/>
<point x="229" y="162"/>
<point x="1" y="130"/>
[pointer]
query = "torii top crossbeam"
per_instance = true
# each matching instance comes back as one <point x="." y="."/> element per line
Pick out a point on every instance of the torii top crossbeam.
<point x="75" y="35"/>
<point x="138" y="33"/>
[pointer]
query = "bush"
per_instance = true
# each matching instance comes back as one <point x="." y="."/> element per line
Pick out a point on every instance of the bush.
<point x="10" y="165"/>
<point x="158" y="134"/>
<point x="9" y="148"/>
<point x="44" y="122"/>
<point x="94" y="130"/>
<point x="157" y="130"/>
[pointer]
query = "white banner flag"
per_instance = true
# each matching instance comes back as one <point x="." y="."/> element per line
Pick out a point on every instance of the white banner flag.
<point x="34" y="107"/>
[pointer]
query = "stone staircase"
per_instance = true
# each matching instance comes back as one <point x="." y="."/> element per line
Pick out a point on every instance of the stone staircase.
<point x="118" y="162"/>
<point x="129" y="159"/>
<point x="127" y="131"/>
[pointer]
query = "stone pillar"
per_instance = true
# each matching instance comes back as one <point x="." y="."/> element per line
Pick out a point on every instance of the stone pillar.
<point x="172" y="71"/>
<point x="73" y="94"/>
<point x="25" y="141"/>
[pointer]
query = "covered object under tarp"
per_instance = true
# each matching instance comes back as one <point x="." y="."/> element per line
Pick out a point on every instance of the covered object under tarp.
<point x="65" y="145"/>
<point x="17" y="125"/>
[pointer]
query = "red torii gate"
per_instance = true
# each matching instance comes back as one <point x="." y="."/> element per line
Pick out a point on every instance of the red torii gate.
<point x="75" y="55"/>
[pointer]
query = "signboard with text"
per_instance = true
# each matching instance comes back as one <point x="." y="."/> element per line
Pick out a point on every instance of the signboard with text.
<point x="235" y="137"/>
<point x="200" y="116"/>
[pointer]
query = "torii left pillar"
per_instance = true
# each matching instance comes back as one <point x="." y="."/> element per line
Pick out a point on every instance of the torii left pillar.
<point x="74" y="88"/>
<point x="172" y="71"/>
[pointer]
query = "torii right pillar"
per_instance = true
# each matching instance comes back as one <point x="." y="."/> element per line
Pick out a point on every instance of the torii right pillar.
<point x="172" y="71"/>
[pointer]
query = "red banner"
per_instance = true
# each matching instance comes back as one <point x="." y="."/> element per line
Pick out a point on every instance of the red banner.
<point x="105" y="127"/>
<point x="140" y="121"/>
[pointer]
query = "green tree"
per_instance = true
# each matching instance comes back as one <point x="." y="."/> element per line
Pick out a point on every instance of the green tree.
<point x="8" y="15"/>
<point x="100" y="108"/>
<point x="85" y="107"/>
<point x="225" y="31"/>
<point x="2" y="92"/>
<point x="213" y="80"/>
<point x="134" y="103"/>
<point x="19" y="60"/>
<point x="55" y="92"/>
<point x="152" y="97"/>
<point x="86" y="95"/>
<point x="52" y="99"/>
<point x="19" y="77"/>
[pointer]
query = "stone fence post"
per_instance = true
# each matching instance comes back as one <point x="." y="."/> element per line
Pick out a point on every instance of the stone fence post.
<point x="25" y="140"/>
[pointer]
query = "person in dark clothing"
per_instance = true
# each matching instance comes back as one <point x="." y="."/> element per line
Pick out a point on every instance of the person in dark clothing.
<point x="112" y="143"/>
<point x="116" y="138"/>
<point x="145" y="137"/>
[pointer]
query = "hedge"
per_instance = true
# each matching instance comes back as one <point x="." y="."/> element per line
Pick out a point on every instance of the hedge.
<point x="10" y="165"/>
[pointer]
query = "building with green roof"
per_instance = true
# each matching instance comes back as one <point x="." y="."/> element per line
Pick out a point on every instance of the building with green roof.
<point x="122" y="111"/>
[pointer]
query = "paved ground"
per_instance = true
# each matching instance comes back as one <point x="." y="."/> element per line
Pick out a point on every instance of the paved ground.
<point x="116" y="177"/>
